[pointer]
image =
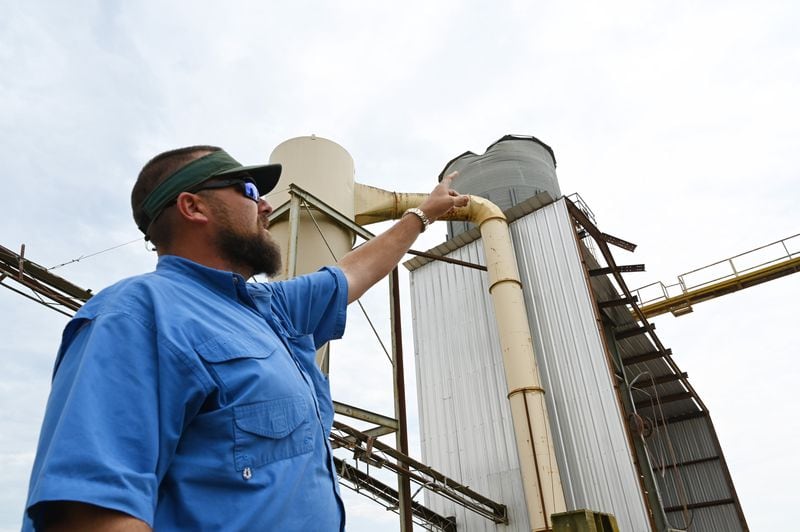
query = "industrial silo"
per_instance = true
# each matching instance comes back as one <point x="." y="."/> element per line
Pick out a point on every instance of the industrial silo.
<point x="511" y="170"/>
<point x="653" y="466"/>
<point x="325" y="168"/>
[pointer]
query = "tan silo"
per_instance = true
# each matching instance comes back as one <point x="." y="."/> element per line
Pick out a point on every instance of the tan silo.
<point x="325" y="169"/>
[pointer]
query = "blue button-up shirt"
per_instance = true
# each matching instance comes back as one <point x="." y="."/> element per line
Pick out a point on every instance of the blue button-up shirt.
<point x="191" y="400"/>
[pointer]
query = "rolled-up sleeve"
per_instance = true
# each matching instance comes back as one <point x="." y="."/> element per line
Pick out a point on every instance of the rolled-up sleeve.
<point x="316" y="303"/>
<point x="111" y="427"/>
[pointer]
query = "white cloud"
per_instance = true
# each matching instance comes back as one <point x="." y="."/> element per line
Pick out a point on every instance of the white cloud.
<point x="677" y="122"/>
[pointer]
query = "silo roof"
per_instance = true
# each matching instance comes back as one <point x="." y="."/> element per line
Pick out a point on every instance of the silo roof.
<point x="502" y="139"/>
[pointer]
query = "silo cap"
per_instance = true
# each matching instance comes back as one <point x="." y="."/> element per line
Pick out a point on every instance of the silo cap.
<point x="502" y="139"/>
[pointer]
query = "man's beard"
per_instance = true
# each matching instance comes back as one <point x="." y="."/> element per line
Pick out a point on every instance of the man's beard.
<point x="256" y="251"/>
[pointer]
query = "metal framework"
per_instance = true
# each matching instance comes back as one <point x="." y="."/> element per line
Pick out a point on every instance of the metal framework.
<point x="759" y="265"/>
<point x="361" y="482"/>
<point x="35" y="282"/>
<point x="373" y="453"/>
<point x="666" y="398"/>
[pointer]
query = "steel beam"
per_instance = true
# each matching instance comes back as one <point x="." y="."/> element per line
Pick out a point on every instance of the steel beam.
<point x="707" y="504"/>
<point x="655" y="401"/>
<point x="624" y="268"/>
<point x="418" y="472"/>
<point x="635" y="331"/>
<point x="364" y="415"/>
<point x="644" y="357"/>
<point x="662" y="467"/>
<point x="398" y="369"/>
<point x="360" y="481"/>
<point x="663" y="379"/>
<point x="617" y="302"/>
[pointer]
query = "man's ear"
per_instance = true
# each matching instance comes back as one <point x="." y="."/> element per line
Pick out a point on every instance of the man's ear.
<point x="192" y="208"/>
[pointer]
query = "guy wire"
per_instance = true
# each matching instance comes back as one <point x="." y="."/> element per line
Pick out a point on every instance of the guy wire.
<point x="363" y="310"/>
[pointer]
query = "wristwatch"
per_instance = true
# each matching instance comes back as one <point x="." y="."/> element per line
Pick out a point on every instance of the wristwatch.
<point x="421" y="215"/>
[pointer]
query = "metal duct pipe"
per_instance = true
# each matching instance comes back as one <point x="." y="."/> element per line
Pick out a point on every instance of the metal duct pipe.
<point x="540" y="477"/>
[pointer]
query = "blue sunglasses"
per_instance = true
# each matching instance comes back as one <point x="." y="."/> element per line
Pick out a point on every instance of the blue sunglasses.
<point x="246" y="187"/>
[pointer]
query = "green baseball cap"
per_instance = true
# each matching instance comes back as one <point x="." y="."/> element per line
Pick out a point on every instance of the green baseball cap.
<point x="215" y="164"/>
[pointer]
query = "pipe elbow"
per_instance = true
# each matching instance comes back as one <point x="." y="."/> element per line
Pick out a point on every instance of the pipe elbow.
<point x="478" y="211"/>
<point x="377" y="205"/>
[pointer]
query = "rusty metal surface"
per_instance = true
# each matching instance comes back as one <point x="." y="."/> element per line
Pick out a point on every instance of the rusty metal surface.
<point x="398" y="369"/>
<point x="365" y="484"/>
<point x="379" y="454"/>
<point x="35" y="282"/>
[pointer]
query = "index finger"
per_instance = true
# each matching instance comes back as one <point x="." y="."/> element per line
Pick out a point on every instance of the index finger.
<point x="452" y="175"/>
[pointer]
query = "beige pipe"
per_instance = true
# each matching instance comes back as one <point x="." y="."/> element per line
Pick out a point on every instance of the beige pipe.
<point x="540" y="478"/>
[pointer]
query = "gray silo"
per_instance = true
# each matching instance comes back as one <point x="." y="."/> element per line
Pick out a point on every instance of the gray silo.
<point x="511" y="170"/>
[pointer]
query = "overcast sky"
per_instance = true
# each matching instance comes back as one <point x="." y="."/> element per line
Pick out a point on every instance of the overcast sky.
<point x="677" y="122"/>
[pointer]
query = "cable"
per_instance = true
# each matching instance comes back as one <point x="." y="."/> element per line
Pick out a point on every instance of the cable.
<point x="688" y="515"/>
<point x="363" y="310"/>
<point x="274" y="192"/>
<point x="91" y="255"/>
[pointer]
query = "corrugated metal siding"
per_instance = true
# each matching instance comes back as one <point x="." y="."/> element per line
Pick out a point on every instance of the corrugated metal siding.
<point x="689" y="440"/>
<point x="711" y="518"/>
<point x="465" y="420"/>
<point x="682" y="445"/>
<point x="698" y="479"/>
<point x="572" y="358"/>
<point x="702" y="483"/>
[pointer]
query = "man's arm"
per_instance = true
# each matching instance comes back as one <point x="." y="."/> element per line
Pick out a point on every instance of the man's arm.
<point x="68" y="516"/>
<point x="371" y="262"/>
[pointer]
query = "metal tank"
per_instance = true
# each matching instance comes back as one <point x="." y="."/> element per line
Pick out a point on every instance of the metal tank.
<point x="511" y="170"/>
<point x="465" y="416"/>
<point x="325" y="169"/>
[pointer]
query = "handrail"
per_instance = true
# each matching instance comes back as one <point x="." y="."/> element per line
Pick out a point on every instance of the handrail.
<point x="705" y="278"/>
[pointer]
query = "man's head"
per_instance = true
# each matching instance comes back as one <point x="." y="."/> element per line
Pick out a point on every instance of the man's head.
<point x="207" y="178"/>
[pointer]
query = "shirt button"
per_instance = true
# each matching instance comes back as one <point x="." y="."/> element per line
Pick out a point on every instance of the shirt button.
<point x="247" y="474"/>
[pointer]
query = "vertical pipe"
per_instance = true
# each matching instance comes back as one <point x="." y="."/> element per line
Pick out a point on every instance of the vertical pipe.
<point x="403" y="483"/>
<point x="541" y="480"/>
<point x="294" y="225"/>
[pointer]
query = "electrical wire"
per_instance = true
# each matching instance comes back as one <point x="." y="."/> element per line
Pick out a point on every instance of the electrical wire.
<point x="92" y="254"/>
<point x="688" y="515"/>
<point x="82" y="257"/>
<point x="363" y="310"/>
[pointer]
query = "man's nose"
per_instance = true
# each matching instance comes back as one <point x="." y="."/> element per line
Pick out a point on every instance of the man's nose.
<point x="264" y="207"/>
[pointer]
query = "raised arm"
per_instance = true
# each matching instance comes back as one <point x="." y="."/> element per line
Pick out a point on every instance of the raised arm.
<point x="372" y="261"/>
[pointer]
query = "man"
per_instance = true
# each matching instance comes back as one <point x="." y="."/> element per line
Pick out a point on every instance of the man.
<point x="188" y="399"/>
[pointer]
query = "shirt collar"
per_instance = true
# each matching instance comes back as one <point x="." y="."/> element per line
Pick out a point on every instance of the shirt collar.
<point x="218" y="280"/>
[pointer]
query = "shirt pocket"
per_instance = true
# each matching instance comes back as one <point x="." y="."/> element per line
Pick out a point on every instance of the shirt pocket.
<point x="272" y="430"/>
<point x="226" y="347"/>
<point x="240" y="366"/>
